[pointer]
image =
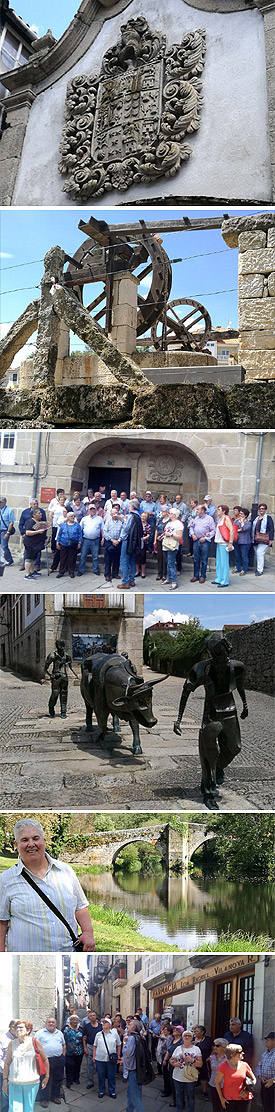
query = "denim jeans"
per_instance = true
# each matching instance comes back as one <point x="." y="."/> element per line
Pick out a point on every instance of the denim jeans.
<point x="185" y="1093"/>
<point x="5" y="547"/>
<point x="91" y="546"/>
<point x="106" y="1070"/>
<point x="200" y="555"/>
<point x="171" y="565"/>
<point x="242" y="554"/>
<point x="127" y="564"/>
<point x="134" y="1094"/>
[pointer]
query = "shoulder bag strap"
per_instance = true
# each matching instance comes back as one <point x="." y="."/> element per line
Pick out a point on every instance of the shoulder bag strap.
<point x="49" y="903"/>
<point x="107" y="1048"/>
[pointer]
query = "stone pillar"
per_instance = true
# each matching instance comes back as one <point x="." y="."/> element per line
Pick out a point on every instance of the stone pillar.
<point x="267" y="8"/>
<point x="48" y="332"/>
<point x="124" y="312"/>
<point x="36" y="987"/>
<point x="255" y="238"/>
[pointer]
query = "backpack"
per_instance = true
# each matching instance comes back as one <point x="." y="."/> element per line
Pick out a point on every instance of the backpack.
<point x="145" y="1072"/>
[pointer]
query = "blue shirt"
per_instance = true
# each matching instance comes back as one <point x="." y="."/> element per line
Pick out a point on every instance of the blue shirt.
<point x="68" y="534"/>
<point x="155" y="1026"/>
<point x="112" y="529"/>
<point x="147" y="507"/>
<point x="126" y="526"/>
<point x="6" y="516"/>
<point x="52" y="1041"/>
<point x="266" y="1066"/>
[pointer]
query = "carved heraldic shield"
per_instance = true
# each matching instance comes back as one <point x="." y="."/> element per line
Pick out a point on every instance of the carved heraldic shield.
<point x="129" y="124"/>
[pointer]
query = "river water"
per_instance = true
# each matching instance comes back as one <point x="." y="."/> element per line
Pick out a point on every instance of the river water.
<point x="185" y="910"/>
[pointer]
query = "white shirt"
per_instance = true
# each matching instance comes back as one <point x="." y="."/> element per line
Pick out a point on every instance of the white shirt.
<point x="23" y="1068"/>
<point x="181" y="1052"/>
<point x="91" y="526"/>
<point x="113" y="1042"/>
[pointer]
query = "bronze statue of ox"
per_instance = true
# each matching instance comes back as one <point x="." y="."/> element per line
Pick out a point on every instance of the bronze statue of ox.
<point x="109" y="685"/>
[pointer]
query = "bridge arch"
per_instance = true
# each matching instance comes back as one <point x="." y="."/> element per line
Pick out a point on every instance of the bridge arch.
<point x="138" y="840"/>
<point x="201" y="841"/>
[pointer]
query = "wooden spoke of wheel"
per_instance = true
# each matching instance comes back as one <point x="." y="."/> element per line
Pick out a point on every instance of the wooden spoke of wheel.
<point x="177" y="329"/>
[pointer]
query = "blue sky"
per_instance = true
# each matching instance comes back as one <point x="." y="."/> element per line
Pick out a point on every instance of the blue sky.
<point x="213" y="613"/>
<point x="27" y="234"/>
<point x="57" y="16"/>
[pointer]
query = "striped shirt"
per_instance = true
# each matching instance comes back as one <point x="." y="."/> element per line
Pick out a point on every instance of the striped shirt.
<point x="112" y="529"/>
<point x="32" y="926"/>
<point x="266" y="1066"/>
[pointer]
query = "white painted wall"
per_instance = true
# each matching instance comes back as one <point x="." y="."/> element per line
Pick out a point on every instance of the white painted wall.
<point x="231" y="155"/>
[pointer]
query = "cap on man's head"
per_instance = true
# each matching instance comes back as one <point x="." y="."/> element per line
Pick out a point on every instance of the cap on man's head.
<point x="207" y="498"/>
<point x="271" y="1035"/>
<point x="177" y="1027"/>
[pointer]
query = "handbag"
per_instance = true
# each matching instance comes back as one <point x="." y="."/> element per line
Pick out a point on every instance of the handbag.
<point x="113" y="1056"/>
<point x="224" y="531"/>
<point x="77" y="944"/>
<point x="190" y="1072"/>
<point x="170" y="543"/>
<point x="41" y="1066"/>
<point x="261" y="538"/>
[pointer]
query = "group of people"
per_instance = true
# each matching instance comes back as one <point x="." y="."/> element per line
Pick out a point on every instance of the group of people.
<point x="126" y="529"/>
<point x="32" y="1068"/>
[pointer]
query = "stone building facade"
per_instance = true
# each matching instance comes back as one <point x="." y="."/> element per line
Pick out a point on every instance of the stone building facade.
<point x="31" y="987"/>
<point x="195" y="462"/>
<point x="255" y="238"/>
<point x="217" y="144"/>
<point x="31" y="624"/>
<point x="192" y="989"/>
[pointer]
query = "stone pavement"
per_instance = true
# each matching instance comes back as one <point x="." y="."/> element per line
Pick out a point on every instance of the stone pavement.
<point x="15" y="581"/>
<point x="79" y="1099"/>
<point x="56" y="764"/>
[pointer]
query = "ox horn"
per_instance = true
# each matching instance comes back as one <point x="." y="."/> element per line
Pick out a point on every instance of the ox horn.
<point x="141" y="688"/>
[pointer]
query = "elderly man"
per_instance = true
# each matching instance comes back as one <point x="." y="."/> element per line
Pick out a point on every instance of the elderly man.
<point x="54" y="1045"/>
<point x="27" y="924"/>
<point x="132" y="543"/>
<point x="136" y="1063"/>
<point x="112" y="544"/>
<point x="91" y="1026"/>
<point x="7" y="517"/>
<point x="265" y="1071"/>
<point x="91" y="526"/>
<point x="114" y="500"/>
<point x="210" y="509"/>
<point x="236" y="1034"/>
<point x="203" y="530"/>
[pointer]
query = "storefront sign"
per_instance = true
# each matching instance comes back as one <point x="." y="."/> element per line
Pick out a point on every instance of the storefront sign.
<point x="232" y="965"/>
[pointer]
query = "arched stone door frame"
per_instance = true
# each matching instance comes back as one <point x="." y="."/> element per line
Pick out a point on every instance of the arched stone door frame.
<point x="158" y="445"/>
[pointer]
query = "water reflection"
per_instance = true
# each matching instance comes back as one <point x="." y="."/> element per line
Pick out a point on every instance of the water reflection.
<point x="184" y="910"/>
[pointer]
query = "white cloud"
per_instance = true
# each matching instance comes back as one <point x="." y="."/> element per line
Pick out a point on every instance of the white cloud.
<point x="164" y="616"/>
<point x="6" y="255"/>
<point x="146" y="282"/>
<point x="37" y="30"/>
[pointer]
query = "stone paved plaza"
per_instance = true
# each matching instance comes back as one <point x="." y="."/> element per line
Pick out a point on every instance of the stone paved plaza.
<point x="48" y="763"/>
<point x="14" y="579"/>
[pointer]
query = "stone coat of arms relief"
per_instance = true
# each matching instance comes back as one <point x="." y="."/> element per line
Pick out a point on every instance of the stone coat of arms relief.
<point x="129" y="125"/>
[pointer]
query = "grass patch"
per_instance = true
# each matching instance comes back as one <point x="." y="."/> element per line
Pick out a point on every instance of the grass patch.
<point x="117" y="930"/>
<point x="238" y="942"/>
<point x="7" y="859"/>
<point x="91" y="870"/>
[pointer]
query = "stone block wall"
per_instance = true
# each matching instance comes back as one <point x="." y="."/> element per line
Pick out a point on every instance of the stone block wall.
<point x="255" y="238"/>
<point x="254" y="645"/>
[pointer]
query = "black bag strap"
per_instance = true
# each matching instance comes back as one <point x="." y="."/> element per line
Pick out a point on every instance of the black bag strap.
<point x="49" y="903"/>
<point x="107" y="1048"/>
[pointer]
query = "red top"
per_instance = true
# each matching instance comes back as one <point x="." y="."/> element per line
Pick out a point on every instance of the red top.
<point x="233" y="1079"/>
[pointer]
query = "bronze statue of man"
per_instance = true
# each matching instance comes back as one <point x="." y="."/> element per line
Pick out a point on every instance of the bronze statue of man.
<point x="219" y="737"/>
<point x="60" y="661"/>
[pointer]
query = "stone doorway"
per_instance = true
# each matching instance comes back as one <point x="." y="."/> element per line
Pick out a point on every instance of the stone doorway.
<point x="113" y="478"/>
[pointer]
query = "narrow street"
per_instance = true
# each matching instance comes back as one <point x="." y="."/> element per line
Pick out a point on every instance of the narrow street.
<point x="54" y="763"/>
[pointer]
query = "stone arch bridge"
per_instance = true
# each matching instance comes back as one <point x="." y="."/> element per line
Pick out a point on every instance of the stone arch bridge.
<point x="173" y="847"/>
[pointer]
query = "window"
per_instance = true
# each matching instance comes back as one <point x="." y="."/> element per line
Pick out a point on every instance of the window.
<point x="13" y="53"/>
<point x="138" y="964"/>
<point x="28" y="604"/>
<point x="15" y="376"/>
<point x="246" y="1002"/>
<point x="7" y="446"/>
<point x="137" y="997"/>
<point x="223" y="1007"/>
<point x="37" y="646"/>
<point x="36" y="600"/>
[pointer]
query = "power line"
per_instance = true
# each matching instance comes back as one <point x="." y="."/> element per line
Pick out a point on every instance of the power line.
<point x="186" y="258"/>
<point x="20" y="289"/>
<point x="15" y="266"/>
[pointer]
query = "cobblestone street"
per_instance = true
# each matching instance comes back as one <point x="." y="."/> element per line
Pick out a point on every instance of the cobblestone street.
<point x="48" y="763"/>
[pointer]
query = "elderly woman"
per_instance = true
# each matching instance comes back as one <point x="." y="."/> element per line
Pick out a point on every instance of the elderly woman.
<point x="68" y="543"/>
<point x="27" y="924"/>
<point x="216" y="1058"/>
<point x="173" y="533"/>
<point x="177" y="1033"/>
<point x="224" y="538"/>
<point x="184" y="1056"/>
<point x="34" y="540"/>
<point x="158" y="539"/>
<point x="233" y="1072"/>
<point x="165" y="1041"/>
<point x="57" y="515"/>
<point x="73" y="1036"/>
<point x="262" y="536"/>
<point x="106" y="1054"/>
<point x="20" y="1076"/>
